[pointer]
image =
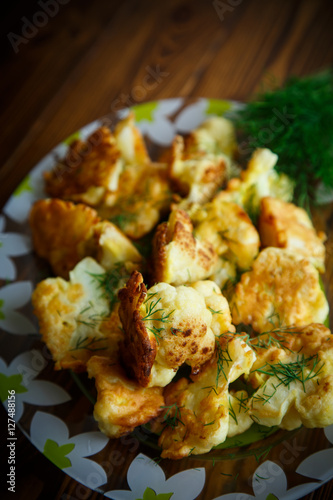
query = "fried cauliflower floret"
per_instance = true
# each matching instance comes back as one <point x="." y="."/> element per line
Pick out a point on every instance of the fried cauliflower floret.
<point x="90" y="169"/>
<point x="285" y="225"/>
<point x="200" y="409"/>
<point x="259" y="179"/>
<point x="229" y="229"/>
<point x="75" y="317"/>
<point x="178" y="257"/>
<point x="224" y="274"/>
<point x="60" y="231"/>
<point x="200" y="162"/>
<point x="215" y="135"/>
<point x="122" y="404"/>
<point x="279" y="285"/>
<point x="130" y="142"/>
<point x="142" y="198"/>
<point x="168" y="326"/>
<point x="217" y="305"/>
<point x="295" y="379"/>
<point x="64" y="233"/>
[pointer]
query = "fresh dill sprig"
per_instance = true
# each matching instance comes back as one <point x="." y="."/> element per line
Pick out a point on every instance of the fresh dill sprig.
<point x="222" y="358"/>
<point x="294" y="371"/>
<point x="295" y="122"/>
<point x="232" y="412"/>
<point x="111" y="281"/>
<point x="172" y="416"/>
<point x="88" y="342"/>
<point x="152" y="308"/>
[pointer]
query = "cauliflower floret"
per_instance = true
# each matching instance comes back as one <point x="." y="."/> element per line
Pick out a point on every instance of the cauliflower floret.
<point x="259" y="179"/>
<point x="217" y="305"/>
<point x="114" y="174"/>
<point x="89" y="170"/>
<point x="199" y="410"/>
<point x="122" y="404"/>
<point x="168" y="326"/>
<point x="80" y="316"/>
<point x="201" y="161"/>
<point x="294" y="377"/>
<point x="229" y="229"/>
<point x="64" y="233"/>
<point x="215" y="135"/>
<point x="279" y="285"/>
<point x="285" y="225"/>
<point x="178" y="257"/>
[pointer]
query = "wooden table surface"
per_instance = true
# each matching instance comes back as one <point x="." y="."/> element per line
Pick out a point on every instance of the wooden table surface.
<point x="84" y="59"/>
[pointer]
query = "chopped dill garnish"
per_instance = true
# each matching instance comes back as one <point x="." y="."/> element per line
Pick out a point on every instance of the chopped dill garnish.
<point x="295" y="122"/>
<point x="232" y="412"/>
<point x="152" y="308"/>
<point x="172" y="416"/>
<point x="111" y="281"/>
<point x="222" y="358"/>
<point x="214" y="312"/>
<point x="88" y="342"/>
<point x="297" y="370"/>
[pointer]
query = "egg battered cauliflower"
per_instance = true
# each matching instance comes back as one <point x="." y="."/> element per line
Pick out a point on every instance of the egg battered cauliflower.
<point x="197" y="413"/>
<point x="279" y="285"/>
<point x="259" y="179"/>
<point x="64" y="233"/>
<point x="229" y="229"/>
<point x="79" y="317"/>
<point x="294" y="377"/>
<point x="89" y="170"/>
<point x="200" y="162"/>
<point x="285" y="225"/>
<point x="122" y="404"/>
<point x="179" y="257"/>
<point x="168" y="326"/>
<point x="113" y="173"/>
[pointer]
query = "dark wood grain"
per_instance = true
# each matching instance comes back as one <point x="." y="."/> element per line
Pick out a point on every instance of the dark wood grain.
<point x="92" y="57"/>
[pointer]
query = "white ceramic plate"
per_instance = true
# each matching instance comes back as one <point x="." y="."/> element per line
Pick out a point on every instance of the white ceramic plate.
<point x="54" y="411"/>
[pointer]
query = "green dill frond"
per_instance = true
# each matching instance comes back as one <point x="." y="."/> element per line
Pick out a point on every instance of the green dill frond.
<point x="295" y="122"/>
<point x="222" y="359"/>
<point x="111" y="281"/>
<point x="301" y="370"/>
<point x="232" y="412"/>
<point x="88" y="343"/>
<point x="172" y="416"/>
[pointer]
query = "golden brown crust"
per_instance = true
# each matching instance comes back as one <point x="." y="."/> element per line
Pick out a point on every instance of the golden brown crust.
<point x="122" y="404"/>
<point x="139" y="348"/>
<point x="285" y="225"/>
<point x="90" y="163"/>
<point x="178" y="257"/>
<point x="281" y="288"/>
<point x="60" y="231"/>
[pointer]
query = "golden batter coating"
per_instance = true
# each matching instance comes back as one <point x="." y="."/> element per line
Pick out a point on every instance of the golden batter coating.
<point x="294" y="376"/>
<point x="90" y="169"/>
<point x="75" y="317"/>
<point x="285" y="225"/>
<point x="281" y="286"/>
<point x="258" y="180"/>
<point x="168" y="326"/>
<point x="64" y="233"/>
<point x="122" y="404"/>
<point x="197" y="413"/>
<point x="178" y="257"/>
<point x="60" y="232"/>
<point x="229" y="229"/>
